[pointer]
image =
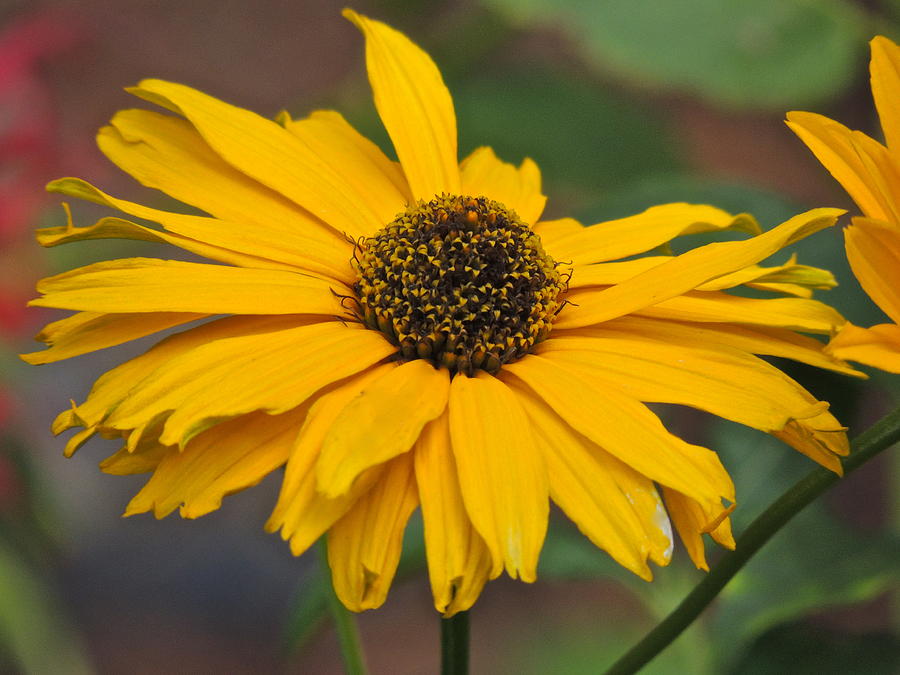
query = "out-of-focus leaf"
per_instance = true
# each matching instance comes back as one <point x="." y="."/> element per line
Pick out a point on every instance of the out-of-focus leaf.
<point x="771" y="54"/>
<point x="580" y="135"/>
<point x="33" y="628"/>
<point x="802" y="650"/>
<point x="814" y="563"/>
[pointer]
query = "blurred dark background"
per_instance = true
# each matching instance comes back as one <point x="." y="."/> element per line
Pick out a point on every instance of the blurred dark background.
<point x="623" y="104"/>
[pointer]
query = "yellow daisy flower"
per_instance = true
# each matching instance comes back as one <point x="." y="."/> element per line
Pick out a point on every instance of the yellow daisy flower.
<point x="404" y="334"/>
<point x="869" y="172"/>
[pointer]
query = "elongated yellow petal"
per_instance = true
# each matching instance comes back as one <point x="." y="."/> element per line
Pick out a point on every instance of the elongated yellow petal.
<point x="215" y="239"/>
<point x="303" y="513"/>
<point x="114" y="386"/>
<point x="739" y="387"/>
<point x="364" y="546"/>
<point x="873" y="251"/>
<point x="690" y="521"/>
<point x="161" y="150"/>
<point x="224" y="459"/>
<point x="378" y="180"/>
<point x="89" y="331"/>
<point x="458" y="560"/>
<point x="836" y="147"/>
<point x="626" y="429"/>
<point x="382" y="422"/>
<point x="885" y="72"/>
<point x="274" y="372"/>
<point x="551" y="230"/>
<point x="878" y="346"/>
<point x="517" y="189"/>
<point x="646" y="503"/>
<point x="414" y="106"/>
<point x="800" y="314"/>
<point x="644" y="231"/>
<point x="689" y="270"/>
<point x="587" y="494"/>
<point x="151" y="285"/>
<point x="265" y="151"/>
<point x="118" y="228"/>
<point x="125" y="462"/>
<point x="787" y="278"/>
<point x="757" y="340"/>
<point x="501" y="473"/>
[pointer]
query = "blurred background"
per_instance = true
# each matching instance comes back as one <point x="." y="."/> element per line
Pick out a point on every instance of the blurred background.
<point x="623" y="104"/>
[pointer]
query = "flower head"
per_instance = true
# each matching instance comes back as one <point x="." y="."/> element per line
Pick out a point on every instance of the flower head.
<point x="869" y="173"/>
<point x="404" y="334"/>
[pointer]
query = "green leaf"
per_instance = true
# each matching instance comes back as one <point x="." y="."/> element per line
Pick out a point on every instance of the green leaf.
<point x="806" y="650"/>
<point x="772" y="54"/>
<point x="580" y="134"/>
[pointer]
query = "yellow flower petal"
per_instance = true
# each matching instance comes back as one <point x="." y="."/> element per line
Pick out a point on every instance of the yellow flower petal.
<point x="885" y="71"/>
<point x="117" y="228"/>
<point x="873" y="251"/>
<point x="586" y="492"/>
<point x="125" y="462"/>
<point x="218" y="240"/>
<point x="821" y="439"/>
<point x="644" y="231"/>
<point x="625" y="428"/>
<point x="160" y="150"/>
<point x="690" y="521"/>
<point x="271" y="371"/>
<point x="647" y="504"/>
<point x="840" y="151"/>
<point x="414" y="106"/>
<point x="224" y="459"/>
<point x="89" y="331"/>
<point x="151" y="285"/>
<point x="378" y="180"/>
<point x="517" y="189"/>
<point x="757" y="340"/>
<point x="113" y="387"/>
<point x="364" y="546"/>
<point x="800" y="314"/>
<point x="878" y="346"/>
<point x="458" y="560"/>
<point x="720" y="380"/>
<point x="501" y="473"/>
<point x="694" y="268"/>
<point x="265" y="151"/>
<point x="382" y="422"/>
<point x="303" y="513"/>
<point x="552" y="230"/>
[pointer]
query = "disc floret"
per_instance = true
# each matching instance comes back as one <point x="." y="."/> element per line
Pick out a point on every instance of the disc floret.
<point x="460" y="281"/>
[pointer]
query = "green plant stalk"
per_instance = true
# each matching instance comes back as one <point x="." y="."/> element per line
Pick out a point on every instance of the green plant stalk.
<point x="867" y="445"/>
<point x="344" y="622"/>
<point x="455" y="644"/>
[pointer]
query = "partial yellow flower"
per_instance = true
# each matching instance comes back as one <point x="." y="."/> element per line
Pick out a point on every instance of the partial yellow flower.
<point x="870" y="173"/>
<point x="413" y="334"/>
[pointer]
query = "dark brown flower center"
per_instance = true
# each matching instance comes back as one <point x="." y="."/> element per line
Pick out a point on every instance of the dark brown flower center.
<point x="460" y="281"/>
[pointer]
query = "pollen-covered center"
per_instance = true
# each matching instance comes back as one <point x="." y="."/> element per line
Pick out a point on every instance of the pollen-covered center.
<point x="460" y="281"/>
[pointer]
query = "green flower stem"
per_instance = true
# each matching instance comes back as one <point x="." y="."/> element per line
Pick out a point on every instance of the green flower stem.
<point x="344" y="621"/>
<point x="880" y="436"/>
<point x="455" y="644"/>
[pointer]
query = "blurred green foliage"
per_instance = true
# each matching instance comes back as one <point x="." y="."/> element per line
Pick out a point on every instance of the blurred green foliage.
<point x="767" y="54"/>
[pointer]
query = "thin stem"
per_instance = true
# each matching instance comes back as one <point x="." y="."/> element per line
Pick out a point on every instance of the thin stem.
<point x="344" y="622"/>
<point x="867" y="445"/>
<point x="455" y="644"/>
